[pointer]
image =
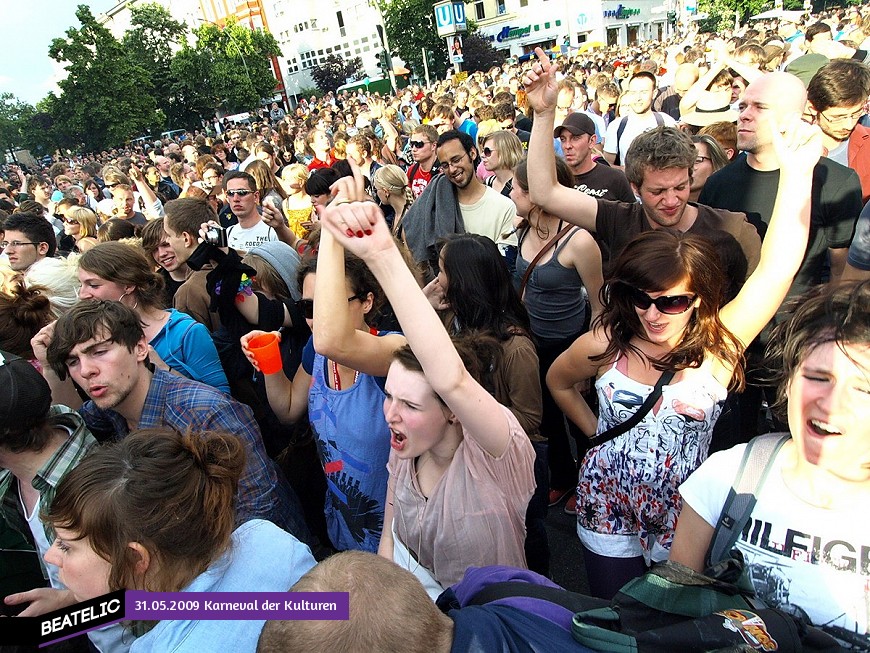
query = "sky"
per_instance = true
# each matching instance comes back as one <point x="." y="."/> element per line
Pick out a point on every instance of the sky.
<point x="27" y="28"/>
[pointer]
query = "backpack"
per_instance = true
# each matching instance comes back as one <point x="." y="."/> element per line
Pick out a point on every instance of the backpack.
<point x="622" y="123"/>
<point x="673" y="608"/>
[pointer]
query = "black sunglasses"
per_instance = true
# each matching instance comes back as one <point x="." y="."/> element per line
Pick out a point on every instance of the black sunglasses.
<point x="488" y="151"/>
<point x="418" y="144"/>
<point x="667" y="304"/>
<point x="306" y="306"/>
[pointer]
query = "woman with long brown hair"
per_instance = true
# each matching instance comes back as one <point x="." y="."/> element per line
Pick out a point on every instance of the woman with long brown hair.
<point x="666" y="348"/>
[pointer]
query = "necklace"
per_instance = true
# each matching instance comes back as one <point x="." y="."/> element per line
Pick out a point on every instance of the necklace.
<point x="336" y="379"/>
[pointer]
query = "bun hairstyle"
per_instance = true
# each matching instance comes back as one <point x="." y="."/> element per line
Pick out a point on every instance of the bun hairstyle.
<point x="174" y="494"/>
<point x="125" y="264"/>
<point x="23" y="312"/>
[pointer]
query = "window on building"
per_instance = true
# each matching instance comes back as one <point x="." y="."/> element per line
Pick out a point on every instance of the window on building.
<point x="367" y="49"/>
<point x="479" y="10"/>
<point x="501" y="8"/>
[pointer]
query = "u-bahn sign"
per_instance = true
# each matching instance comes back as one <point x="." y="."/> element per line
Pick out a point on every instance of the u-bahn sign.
<point x="450" y="18"/>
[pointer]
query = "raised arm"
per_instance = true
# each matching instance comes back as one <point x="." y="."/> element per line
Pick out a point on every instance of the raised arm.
<point x="480" y="414"/>
<point x="544" y="190"/>
<point x="154" y="207"/>
<point x="586" y="258"/>
<point x="798" y="147"/>
<point x="288" y="399"/>
<point x="335" y="334"/>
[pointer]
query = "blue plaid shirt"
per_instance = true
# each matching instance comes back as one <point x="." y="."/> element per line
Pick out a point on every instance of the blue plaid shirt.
<point x="183" y="404"/>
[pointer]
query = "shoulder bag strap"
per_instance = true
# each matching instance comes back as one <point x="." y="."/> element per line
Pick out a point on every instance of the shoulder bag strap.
<point x="522" y="589"/>
<point x="635" y="419"/>
<point x="546" y="248"/>
<point x="619" y="130"/>
<point x="756" y="463"/>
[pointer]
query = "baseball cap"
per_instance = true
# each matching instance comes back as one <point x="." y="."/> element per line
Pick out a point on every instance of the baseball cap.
<point x="576" y="123"/>
<point x="26" y="396"/>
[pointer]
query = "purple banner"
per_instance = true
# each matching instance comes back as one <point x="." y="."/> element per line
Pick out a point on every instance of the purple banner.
<point x="285" y="606"/>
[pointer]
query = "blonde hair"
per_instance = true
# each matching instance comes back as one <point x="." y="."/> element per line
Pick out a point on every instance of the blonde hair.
<point x="392" y="178"/>
<point x="295" y="172"/>
<point x="509" y="146"/>
<point x="86" y="218"/>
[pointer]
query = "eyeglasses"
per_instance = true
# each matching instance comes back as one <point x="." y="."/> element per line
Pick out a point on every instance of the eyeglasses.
<point x="700" y="159"/>
<point x="487" y="151"/>
<point x="112" y="185"/>
<point x="15" y="244"/>
<point x="306" y="306"/>
<point x="418" y="144"/>
<point x="455" y="161"/>
<point x="667" y="304"/>
<point x="69" y="220"/>
<point x="240" y="193"/>
<point x="852" y="117"/>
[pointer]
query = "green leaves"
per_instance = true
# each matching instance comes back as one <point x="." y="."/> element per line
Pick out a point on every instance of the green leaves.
<point x="335" y="71"/>
<point x="410" y="26"/>
<point x="151" y="79"/>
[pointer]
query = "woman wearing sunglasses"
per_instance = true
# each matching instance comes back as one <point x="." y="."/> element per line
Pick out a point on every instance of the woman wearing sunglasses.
<point x="81" y="223"/>
<point x="340" y="386"/>
<point x="502" y="151"/>
<point x="663" y="313"/>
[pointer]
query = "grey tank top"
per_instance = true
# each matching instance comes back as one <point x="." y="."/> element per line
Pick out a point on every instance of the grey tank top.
<point x="555" y="296"/>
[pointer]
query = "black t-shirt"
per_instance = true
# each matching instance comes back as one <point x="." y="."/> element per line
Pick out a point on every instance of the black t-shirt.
<point x="605" y="183"/>
<point x="836" y="205"/>
<point x="736" y="241"/>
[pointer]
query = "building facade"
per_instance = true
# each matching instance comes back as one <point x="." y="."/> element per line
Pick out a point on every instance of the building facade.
<point x="517" y="27"/>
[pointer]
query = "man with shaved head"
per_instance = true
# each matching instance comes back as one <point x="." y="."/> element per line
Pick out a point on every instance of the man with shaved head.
<point x="749" y="184"/>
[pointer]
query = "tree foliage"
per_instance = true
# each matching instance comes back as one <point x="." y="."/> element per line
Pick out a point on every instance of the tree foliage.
<point x="335" y="71"/>
<point x="410" y="26"/>
<point x="107" y="95"/>
<point x="151" y="42"/>
<point x="722" y="12"/>
<point x="225" y="68"/>
<point x="11" y="114"/>
<point x="478" y="54"/>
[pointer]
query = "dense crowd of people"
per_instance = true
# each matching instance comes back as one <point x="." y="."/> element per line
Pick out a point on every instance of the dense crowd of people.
<point x="578" y="284"/>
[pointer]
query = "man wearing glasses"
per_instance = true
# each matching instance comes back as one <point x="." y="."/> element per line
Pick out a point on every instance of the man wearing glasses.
<point x="28" y="239"/>
<point x="244" y="201"/>
<point x="423" y="148"/>
<point x="836" y="97"/>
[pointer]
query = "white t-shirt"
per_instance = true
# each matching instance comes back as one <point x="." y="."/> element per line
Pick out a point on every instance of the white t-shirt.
<point x="491" y="216"/>
<point x="247" y="239"/>
<point x="801" y="558"/>
<point x="634" y="127"/>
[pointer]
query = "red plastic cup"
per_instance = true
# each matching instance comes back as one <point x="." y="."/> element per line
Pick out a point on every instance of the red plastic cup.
<point x="266" y="353"/>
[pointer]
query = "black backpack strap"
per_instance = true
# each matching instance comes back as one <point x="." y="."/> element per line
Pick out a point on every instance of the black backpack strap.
<point x="619" y="130"/>
<point x="517" y="588"/>
<point x="639" y="414"/>
<point x="756" y="464"/>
